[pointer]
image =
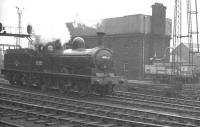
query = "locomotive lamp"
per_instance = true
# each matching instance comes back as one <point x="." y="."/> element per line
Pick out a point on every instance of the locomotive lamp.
<point x="29" y="29"/>
<point x="106" y="57"/>
<point x="1" y="27"/>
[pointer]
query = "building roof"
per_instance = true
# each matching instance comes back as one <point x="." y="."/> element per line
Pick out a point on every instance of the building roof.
<point x="182" y="53"/>
<point x="119" y="25"/>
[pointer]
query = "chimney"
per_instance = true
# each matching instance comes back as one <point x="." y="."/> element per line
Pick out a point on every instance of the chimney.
<point x="158" y="19"/>
<point x="100" y="38"/>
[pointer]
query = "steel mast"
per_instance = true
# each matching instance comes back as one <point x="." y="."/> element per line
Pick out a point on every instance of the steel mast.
<point x="19" y="12"/>
<point x="193" y="33"/>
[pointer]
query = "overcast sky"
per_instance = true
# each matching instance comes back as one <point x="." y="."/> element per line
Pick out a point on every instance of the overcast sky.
<point x="48" y="16"/>
<point x="37" y="10"/>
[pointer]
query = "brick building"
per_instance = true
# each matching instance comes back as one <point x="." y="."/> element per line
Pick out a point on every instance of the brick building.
<point x="183" y="54"/>
<point x="134" y="39"/>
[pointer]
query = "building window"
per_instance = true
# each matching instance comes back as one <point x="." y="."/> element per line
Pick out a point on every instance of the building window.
<point x="125" y="67"/>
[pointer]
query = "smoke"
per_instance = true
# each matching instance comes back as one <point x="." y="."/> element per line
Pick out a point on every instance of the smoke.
<point x="85" y="23"/>
<point x="2" y="2"/>
<point x="51" y="32"/>
<point x="48" y="20"/>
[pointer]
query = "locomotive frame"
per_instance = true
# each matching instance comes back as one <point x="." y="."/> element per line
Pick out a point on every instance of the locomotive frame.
<point x="46" y="69"/>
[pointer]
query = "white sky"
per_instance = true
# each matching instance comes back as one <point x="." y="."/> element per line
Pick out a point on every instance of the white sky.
<point x="48" y="17"/>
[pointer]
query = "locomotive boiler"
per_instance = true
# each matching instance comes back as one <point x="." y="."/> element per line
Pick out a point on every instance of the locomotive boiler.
<point x="52" y="66"/>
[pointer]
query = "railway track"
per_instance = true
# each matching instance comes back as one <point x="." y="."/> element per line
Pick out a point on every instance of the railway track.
<point x="56" y="110"/>
<point x="182" y="110"/>
<point x="131" y="95"/>
<point x="188" y="91"/>
<point x="191" y="91"/>
<point x="116" y="112"/>
<point x="4" y="123"/>
<point x="175" y="101"/>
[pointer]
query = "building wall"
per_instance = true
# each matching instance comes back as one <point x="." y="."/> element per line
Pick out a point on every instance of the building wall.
<point x="128" y="51"/>
<point x="159" y="41"/>
<point x="158" y="45"/>
<point x="134" y="39"/>
<point x="182" y="54"/>
<point x="123" y="25"/>
<point x="158" y="19"/>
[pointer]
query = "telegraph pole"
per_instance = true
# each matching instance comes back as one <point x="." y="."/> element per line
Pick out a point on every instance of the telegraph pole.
<point x="19" y="12"/>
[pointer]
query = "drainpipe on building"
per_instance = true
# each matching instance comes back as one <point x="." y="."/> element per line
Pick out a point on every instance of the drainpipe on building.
<point x="143" y="48"/>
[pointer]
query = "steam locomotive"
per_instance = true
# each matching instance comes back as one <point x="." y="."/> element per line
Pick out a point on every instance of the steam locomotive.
<point x="73" y="69"/>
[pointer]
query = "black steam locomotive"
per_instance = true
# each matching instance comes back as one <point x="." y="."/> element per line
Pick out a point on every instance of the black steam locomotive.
<point x="52" y="66"/>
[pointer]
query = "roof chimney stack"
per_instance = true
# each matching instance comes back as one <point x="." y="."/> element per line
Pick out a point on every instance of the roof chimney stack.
<point x="158" y="19"/>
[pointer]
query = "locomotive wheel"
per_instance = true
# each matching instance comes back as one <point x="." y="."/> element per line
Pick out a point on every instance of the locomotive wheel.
<point x="9" y="77"/>
<point x="24" y="80"/>
<point x="16" y="80"/>
<point x="111" y="88"/>
<point x="84" y="88"/>
<point x="44" y="84"/>
<point x="11" y="81"/>
<point x="43" y="87"/>
<point x="36" y="81"/>
<point x="62" y="86"/>
<point x="104" y="89"/>
<point x="83" y="91"/>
